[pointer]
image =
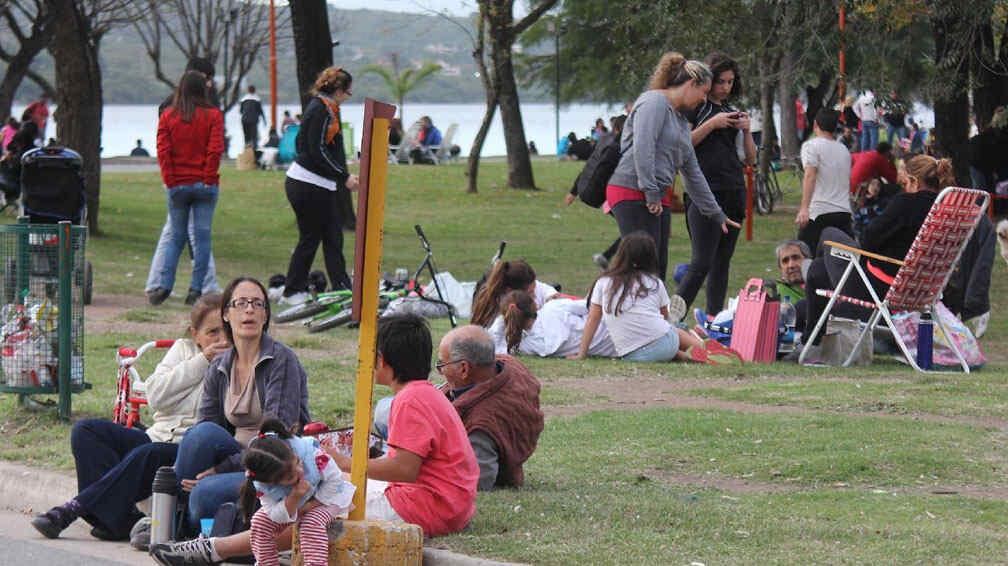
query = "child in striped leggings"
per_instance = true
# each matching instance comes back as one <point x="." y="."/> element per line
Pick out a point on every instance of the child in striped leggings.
<point x="295" y="482"/>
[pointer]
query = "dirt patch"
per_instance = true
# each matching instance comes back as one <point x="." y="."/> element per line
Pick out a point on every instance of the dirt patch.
<point x="106" y="314"/>
<point x="646" y="392"/>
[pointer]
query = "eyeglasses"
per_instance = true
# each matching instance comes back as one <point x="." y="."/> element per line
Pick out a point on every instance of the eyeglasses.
<point x="441" y="365"/>
<point x="243" y="304"/>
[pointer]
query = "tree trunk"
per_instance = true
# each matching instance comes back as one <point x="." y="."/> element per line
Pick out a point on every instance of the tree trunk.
<point x="951" y="103"/>
<point x="785" y="98"/>
<point x="769" y="127"/>
<point x="987" y="71"/>
<point x="519" y="163"/>
<point x="17" y="68"/>
<point x="312" y="43"/>
<point x="79" y="99"/>
<point x="472" y="171"/>
<point x="818" y="97"/>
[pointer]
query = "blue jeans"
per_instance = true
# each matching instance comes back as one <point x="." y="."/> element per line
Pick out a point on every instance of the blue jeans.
<point x="869" y="135"/>
<point x="115" y="468"/>
<point x="210" y="284"/>
<point x="895" y="134"/>
<point x="663" y="349"/>
<point x="198" y="201"/>
<point x="204" y="446"/>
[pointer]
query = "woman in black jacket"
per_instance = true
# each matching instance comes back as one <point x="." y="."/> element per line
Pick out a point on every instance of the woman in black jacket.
<point x="313" y="186"/>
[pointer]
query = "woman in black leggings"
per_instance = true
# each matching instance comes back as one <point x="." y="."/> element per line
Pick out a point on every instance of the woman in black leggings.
<point x="717" y="130"/>
<point x="313" y="185"/>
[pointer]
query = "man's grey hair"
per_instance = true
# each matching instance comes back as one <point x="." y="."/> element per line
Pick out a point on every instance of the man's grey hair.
<point x="802" y="247"/>
<point x="477" y="348"/>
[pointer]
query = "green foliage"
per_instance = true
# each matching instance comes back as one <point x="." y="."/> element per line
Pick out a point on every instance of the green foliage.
<point x="400" y="83"/>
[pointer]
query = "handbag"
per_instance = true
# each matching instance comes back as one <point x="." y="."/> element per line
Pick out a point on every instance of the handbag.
<point x="839" y="339"/>
<point x="942" y="353"/>
<point x="754" y="329"/>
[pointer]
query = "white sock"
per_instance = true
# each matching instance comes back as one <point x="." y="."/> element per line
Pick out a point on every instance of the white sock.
<point x="213" y="551"/>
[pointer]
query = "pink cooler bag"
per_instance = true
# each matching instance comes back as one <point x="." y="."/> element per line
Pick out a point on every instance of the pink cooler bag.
<point x="754" y="329"/>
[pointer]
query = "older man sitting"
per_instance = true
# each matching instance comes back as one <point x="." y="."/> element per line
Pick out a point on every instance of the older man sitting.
<point x="498" y="400"/>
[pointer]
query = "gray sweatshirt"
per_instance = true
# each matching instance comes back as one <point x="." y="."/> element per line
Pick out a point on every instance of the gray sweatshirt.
<point x="655" y="145"/>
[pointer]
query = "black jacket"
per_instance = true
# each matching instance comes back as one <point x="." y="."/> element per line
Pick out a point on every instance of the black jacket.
<point x="893" y="232"/>
<point x="968" y="290"/>
<point x="313" y="153"/>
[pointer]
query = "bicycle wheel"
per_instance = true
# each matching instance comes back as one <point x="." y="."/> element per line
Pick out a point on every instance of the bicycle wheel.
<point x="304" y="310"/>
<point x="333" y="321"/>
<point x="763" y="201"/>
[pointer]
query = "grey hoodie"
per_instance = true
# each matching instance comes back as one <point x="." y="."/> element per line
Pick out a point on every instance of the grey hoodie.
<point x="655" y="145"/>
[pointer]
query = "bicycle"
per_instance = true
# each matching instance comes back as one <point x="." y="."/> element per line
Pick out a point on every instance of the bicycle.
<point x="767" y="190"/>
<point x="131" y="391"/>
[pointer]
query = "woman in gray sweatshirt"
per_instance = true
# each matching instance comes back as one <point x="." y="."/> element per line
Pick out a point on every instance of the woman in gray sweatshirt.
<point x="656" y="145"/>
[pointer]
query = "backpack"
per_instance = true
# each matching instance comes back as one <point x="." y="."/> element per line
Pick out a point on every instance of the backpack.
<point x="591" y="183"/>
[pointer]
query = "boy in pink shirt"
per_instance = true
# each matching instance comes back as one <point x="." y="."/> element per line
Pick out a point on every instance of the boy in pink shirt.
<point x="430" y="470"/>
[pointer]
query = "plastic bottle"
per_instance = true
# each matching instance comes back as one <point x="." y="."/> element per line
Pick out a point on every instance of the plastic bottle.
<point x="163" y="505"/>
<point x="925" y="340"/>
<point x="788" y="316"/>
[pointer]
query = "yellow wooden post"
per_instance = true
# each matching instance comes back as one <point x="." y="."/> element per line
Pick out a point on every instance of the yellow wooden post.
<point x="378" y="173"/>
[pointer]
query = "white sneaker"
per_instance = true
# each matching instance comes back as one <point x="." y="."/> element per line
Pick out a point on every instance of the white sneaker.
<point x="295" y="299"/>
<point x="676" y="309"/>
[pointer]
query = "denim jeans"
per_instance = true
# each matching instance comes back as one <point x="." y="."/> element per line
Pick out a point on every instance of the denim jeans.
<point x="115" y="468"/>
<point x="895" y="134"/>
<point x="210" y="284"/>
<point x="663" y="349"/>
<point x="869" y="135"/>
<point x="204" y="446"/>
<point x="184" y="201"/>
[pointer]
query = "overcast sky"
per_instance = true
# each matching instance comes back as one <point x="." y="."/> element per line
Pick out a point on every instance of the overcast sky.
<point x="455" y="7"/>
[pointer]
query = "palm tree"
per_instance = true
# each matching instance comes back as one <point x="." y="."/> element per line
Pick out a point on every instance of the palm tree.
<point x="402" y="83"/>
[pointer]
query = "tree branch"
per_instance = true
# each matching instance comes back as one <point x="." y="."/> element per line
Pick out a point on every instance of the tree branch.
<point x="533" y="16"/>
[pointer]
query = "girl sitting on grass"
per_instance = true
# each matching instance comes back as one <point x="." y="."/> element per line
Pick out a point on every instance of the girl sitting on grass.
<point x="507" y="276"/>
<point x="554" y="330"/>
<point x="295" y="481"/>
<point x="634" y="305"/>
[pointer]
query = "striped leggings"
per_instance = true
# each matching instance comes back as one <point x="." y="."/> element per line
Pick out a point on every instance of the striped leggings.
<point x="314" y="537"/>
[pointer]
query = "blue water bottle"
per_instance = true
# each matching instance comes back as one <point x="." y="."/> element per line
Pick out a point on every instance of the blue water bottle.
<point x="925" y="340"/>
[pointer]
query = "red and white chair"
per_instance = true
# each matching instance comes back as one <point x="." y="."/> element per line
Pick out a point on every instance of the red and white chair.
<point x="922" y="275"/>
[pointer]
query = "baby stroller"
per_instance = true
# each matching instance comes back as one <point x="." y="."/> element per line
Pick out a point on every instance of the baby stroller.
<point x="52" y="191"/>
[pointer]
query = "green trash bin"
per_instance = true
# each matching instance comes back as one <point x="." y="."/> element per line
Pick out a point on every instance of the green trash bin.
<point x="42" y="296"/>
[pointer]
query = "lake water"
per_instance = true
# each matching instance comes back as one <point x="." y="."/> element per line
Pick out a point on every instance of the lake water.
<point x="122" y="125"/>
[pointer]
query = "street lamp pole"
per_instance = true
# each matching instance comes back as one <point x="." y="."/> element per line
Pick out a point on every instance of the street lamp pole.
<point x="556" y="78"/>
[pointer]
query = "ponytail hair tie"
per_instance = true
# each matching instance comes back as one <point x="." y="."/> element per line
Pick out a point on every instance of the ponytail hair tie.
<point x="512" y="307"/>
<point x="265" y="434"/>
<point x="250" y="474"/>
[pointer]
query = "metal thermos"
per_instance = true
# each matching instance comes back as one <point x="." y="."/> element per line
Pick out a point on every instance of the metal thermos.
<point x="163" y="505"/>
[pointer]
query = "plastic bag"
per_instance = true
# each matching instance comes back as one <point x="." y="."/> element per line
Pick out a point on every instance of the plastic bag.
<point x="838" y="340"/>
<point x="458" y="295"/>
<point x="27" y="360"/>
<point x="942" y="354"/>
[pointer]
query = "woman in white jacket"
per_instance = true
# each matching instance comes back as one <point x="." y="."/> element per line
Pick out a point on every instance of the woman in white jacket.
<point x="552" y="331"/>
<point x="116" y="465"/>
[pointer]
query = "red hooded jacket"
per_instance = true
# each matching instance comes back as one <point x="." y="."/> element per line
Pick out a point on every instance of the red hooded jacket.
<point x="190" y="152"/>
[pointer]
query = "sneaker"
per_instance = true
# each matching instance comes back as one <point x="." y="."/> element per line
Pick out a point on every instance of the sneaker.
<point x="677" y="308"/>
<point x="601" y="261"/>
<point x="139" y="536"/>
<point x="157" y="296"/>
<point x="719" y="354"/>
<point x="101" y="533"/>
<point x="52" y="522"/>
<point x="295" y="299"/>
<point x="195" y="552"/>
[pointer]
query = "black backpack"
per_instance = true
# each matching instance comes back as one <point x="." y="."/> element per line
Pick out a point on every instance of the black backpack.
<point x="591" y="183"/>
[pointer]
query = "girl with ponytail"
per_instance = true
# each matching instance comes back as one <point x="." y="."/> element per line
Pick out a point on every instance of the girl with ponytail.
<point x="295" y="481"/>
<point x="554" y="330"/>
<point x="890" y="234"/>
<point x="507" y="276"/>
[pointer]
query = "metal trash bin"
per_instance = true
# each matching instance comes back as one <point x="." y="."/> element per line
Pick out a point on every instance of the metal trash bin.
<point x="42" y="310"/>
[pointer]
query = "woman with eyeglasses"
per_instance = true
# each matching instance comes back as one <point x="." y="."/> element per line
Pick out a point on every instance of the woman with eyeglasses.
<point x="257" y="378"/>
<point x="655" y="146"/>
<point x="313" y="185"/>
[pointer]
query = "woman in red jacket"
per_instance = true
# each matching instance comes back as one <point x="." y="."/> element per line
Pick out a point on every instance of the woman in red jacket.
<point x="190" y="140"/>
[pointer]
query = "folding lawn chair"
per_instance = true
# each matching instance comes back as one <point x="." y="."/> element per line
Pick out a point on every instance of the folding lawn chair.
<point x="922" y="274"/>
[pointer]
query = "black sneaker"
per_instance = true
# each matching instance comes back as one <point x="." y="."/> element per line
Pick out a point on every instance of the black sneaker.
<point x="157" y="296"/>
<point x="192" y="297"/>
<point x="140" y="534"/>
<point x="196" y="552"/>
<point x="52" y="522"/>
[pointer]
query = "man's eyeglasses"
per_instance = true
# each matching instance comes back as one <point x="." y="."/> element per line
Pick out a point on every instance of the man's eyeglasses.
<point x="441" y="365"/>
<point x="243" y="304"/>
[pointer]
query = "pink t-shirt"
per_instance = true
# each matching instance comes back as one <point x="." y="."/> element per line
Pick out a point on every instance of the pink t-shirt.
<point x="443" y="498"/>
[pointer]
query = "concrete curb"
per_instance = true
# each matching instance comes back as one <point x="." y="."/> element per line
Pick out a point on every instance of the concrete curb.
<point x="24" y="489"/>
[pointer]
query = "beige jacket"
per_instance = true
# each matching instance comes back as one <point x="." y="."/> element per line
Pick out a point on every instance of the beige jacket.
<point x="174" y="391"/>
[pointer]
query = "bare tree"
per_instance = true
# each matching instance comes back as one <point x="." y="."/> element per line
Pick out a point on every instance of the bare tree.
<point x="229" y="33"/>
<point x="80" y="27"/>
<point x="31" y="23"/>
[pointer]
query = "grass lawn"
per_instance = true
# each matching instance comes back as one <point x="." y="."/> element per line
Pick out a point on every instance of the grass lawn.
<point x="639" y="463"/>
